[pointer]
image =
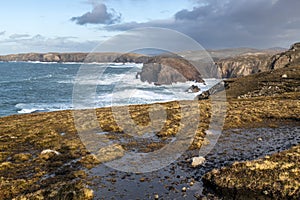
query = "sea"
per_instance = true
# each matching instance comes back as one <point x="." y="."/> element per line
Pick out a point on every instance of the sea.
<point x="28" y="87"/>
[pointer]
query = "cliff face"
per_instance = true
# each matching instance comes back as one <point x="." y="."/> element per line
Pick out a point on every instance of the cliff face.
<point x="252" y="63"/>
<point x="168" y="70"/>
<point x="290" y="57"/>
<point x="244" y="65"/>
<point x="47" y="57"/>
<point x="282" y="77"/>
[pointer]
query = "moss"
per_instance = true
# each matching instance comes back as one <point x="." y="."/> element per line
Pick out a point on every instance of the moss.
<point x="275" y="177"/>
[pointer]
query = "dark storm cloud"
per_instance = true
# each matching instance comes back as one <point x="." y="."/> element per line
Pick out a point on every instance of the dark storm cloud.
<point x="99" y="15"/>
<point x="232" y="23"/>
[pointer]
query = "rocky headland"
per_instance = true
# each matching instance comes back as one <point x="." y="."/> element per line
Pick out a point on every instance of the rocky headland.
<point x="167" y="70"/>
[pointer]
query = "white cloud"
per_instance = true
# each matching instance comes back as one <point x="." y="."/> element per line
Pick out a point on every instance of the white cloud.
<point x="39" y="43"/>
<point x="99" y="15"/>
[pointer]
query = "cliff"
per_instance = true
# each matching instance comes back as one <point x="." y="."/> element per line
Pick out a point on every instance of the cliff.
<point x="168" y="70"/>
<point x="290" y="57"/>
<point x="259" y="75"/>
<point x="244" y="65"/>
<point x="72" y="57"/>
<point x="281" y="75"/>
<point x="231" y="63"/>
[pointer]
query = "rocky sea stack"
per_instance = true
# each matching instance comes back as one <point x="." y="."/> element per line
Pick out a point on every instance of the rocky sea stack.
<point x="168" y="70"/>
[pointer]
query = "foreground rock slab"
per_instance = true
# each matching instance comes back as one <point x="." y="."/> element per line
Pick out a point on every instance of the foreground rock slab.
<point x="272" y="177"/>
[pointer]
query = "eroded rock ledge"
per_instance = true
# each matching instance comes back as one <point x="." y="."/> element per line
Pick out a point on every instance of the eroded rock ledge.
<point x="273" y="177"/>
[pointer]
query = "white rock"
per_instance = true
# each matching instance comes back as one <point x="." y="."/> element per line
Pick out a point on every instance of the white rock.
<point x="197" y="161"/>
<point x="284" y="76"/>
<point x="46" y="151"/>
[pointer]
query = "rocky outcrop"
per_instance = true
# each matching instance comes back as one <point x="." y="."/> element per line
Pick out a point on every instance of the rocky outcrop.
<point x="290" y="57"/>
<point x="168" y="70"/>
<point x="193" y="89"/>
<point x="213" y="90"/>
<point x="244" y="65"/>
<point x="269" y="83"/>
<point x="275" y="76"/>
<point x="273" y="177"/>
<point x="282" y="77"/>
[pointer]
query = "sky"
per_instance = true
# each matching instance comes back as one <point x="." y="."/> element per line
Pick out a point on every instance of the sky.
<point x="81" y="25"/>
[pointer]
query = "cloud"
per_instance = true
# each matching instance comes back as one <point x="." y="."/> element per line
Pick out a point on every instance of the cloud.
<point x="16" y="36"/>
<point x="40" y="43"/>
<point x="233" y="23"/>
<point x="2" y="32"/>
<point x="98" y="15"/>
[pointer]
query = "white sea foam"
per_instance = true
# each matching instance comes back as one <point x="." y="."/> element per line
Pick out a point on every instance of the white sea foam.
<point x="39" y="107"/>
<point x="113" y="89"/>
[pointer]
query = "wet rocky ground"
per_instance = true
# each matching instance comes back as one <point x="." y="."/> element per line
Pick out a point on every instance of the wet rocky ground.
<point x="170" y="182"/>
<point x="43" y="156"/>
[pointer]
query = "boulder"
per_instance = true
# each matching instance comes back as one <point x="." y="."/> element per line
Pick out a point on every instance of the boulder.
<point x="196" y="161"/>
<point x="215" y="89"/>
<point x="193" y="89"/>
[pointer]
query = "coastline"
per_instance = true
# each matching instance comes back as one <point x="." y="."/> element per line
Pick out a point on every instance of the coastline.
<point x="25" y="137"/>
<point x="44" y="155"/>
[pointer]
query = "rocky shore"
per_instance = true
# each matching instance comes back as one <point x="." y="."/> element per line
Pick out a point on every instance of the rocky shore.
<point x="43" y="156"/>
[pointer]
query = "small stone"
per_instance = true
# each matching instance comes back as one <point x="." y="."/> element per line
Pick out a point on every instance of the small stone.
<point x="265" y="192"/>
<point x="48" y="153"/>
<point x="191" y="183"/>
<point x="260" y="139"/>
<point x="88" y="193"/>
<point x="284" y="76"/>
<point x="183" y="189"/>
<point x="142" y="179"/>
<point x="197" y="161"/>
<point x="156" y="196"/>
